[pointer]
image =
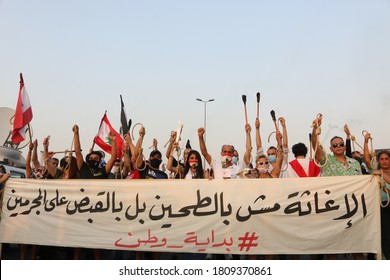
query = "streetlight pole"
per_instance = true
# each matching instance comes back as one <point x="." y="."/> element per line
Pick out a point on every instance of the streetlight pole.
<point x="204" y="124"/>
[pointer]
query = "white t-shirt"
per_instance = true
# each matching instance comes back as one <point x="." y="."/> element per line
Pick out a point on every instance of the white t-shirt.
<point x="290" y="172"/>
<point x="225" y="173"/>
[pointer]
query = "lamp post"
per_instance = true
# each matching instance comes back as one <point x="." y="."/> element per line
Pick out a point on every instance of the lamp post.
<point x="204" y="125"/>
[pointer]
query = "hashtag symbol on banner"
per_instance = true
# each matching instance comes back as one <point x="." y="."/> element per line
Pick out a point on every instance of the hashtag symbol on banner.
<point x="248" y="241"/>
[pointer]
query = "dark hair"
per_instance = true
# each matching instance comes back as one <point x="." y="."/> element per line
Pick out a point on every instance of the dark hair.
<point x="299" y="149"/>
<point x="155" y="152"/>
<point x="336" y="137"/>
<point x="272" y="147"/>
<point x="199" y="168"/>
<point x="2" y="167"/>
<point x="98" y="153"/>
<point x="379" y="155"/>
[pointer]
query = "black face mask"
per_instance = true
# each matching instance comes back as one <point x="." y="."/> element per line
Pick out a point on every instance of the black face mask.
<point x="155" y="163"/>
<point x="360" y="160"/>
<point x="93" y="163"/>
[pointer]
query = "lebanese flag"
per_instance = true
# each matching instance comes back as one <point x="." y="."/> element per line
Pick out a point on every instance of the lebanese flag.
<point x="102" y="138"/>
<point x="23" y="114"/>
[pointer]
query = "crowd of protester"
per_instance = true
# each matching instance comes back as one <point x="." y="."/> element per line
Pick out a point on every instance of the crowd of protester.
<point x="272" y="162"/>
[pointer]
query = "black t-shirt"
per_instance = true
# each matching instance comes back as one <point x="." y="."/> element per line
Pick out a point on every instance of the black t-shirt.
<point x="150" y="173"/>
<point x="97" y="173"/>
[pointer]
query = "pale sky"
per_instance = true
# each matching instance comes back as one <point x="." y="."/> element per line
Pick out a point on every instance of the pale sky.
<point x="304" y="57"/>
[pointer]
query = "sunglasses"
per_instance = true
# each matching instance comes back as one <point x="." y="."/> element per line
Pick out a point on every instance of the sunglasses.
<point x="261" y="163"/>
<point x="338" y="145"/>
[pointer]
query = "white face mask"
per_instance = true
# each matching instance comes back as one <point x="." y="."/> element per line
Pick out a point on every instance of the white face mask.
<point x="193" y="163"/>
<point x="263" y="168"/>
<point x="115" y="169"/>
<point x="235" y="160"/>
<point x="225" y="159"/>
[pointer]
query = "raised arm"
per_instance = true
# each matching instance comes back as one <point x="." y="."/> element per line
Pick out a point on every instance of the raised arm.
<point x="28" y="160"/>
<point x="319" y="152"/>
<point x="110" y="163"/>
<point x="172" y="139"/>
<point x="77" y="146"/>
<point x="202" y="145"/>
<point x="47" y="158"/>
<point x="170" y="166"/>
<point x="279" y="157"/>
<point x="138" y="148"/>
<point x="348" y="149"/>
<point x="35" y="160"/>
<point x="259" y="145"/>
<point x="366" y="151"/>
<point x="248" y="146"/>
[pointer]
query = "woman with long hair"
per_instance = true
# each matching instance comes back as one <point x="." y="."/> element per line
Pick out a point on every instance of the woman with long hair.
<point x="193" y="168"/>
<point x="383" y="169"/>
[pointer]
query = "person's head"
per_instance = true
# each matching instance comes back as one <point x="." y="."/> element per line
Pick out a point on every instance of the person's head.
<point x="94" y="159"/>
<point x="356" y="155"/>
<point x="262" y="163"/>
<point x="227" y="154"/>
<point x="235" y="157"/>
<point x="155" y="159"/>
<point x="383" y="159"/>
<point x="337" y="146"/>
<point x="69" y="166"/>
<point x="299" y="150"/>
<point x="55" y="161"/>
<point x="271" y="154"/>
<point x="2" y="169"/>
<point x="194" y="162"/>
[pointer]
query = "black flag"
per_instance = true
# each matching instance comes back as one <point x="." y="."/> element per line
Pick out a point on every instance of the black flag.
<point x="125" y="125"/>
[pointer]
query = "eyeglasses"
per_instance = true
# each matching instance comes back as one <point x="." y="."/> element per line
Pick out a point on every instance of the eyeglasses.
<point x="338" y="145"/>
<point x="261" y="163"/>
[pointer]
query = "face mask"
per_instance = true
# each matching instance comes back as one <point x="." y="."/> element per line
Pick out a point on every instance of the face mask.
<point x="193" y="163"/>
<point x="93" y="163"/>
<point x="155" y="163"/>
<point x="271" y="158"/>
<point x="226" y="159"/>
<point x="263" y="169"/>
<point x="235" y="160"/>
<point x="115" y="169"/>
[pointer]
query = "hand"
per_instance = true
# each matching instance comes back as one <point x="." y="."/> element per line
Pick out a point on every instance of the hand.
<point x="155" y="143"/>
<point x="201" y="132"/>
<point x="35" y="143"/>
<point x="173" y="136"/>
<point x="367" y="137"/>
<point x="346" y="130"/>
<point x="127" y="138"/>
<point x="31" y="146"/>
<point x="142" y="131"/>
<point x="257" y="123"/>
<point x="46" y="142"/>
<point x="75" y="129"/>
<point x="282" y="121"/>
<point x="248" y="128"/>
<point x="317" y="122"/>
<point x="112" y="136"/>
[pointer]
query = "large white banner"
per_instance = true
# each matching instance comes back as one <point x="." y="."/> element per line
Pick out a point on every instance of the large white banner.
<point x="242" y="216"/>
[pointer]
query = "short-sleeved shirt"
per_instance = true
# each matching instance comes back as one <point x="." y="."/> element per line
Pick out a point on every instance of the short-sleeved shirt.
<point x="98" y="173"/>
<point x="149" y="173"/>
<point x="226" y="173"/>
<point x="334" y="167"/>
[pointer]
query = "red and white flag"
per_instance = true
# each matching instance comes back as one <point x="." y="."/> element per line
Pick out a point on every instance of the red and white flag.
<point x="23" y="114"/>
<point x="102" y="139"/>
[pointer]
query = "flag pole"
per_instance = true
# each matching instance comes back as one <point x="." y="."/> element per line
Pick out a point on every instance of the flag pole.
<point x="101" y="122"/>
